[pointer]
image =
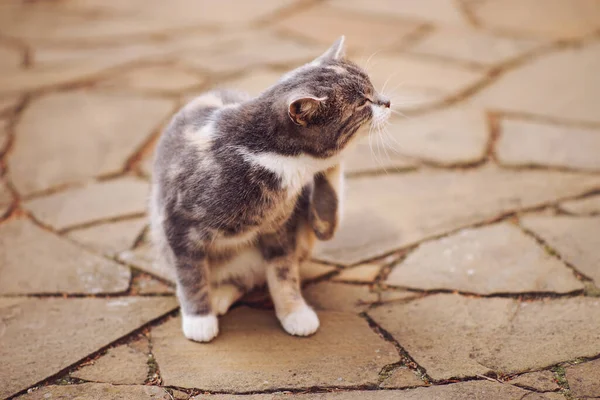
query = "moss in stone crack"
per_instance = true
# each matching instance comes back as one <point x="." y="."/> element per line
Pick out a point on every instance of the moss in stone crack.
<point x="561" y="379"/>
<point x="152" y="369"/>
<point x="387" y="371"/>
<point x="591" y="290"/>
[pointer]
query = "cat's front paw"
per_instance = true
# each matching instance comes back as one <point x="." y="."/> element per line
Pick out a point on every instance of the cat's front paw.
<point x="301" y="322"/>
<point x="200" y="328"/>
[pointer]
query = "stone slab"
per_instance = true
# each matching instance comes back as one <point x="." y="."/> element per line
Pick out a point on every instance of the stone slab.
<point x="494" y="259"/>
<point x="587" y="205"/>
<point x="526" y="143"/>
<point x="96" y="391"/>
<point x="473" y="46"/>
<point x="93" y="202"/>
<point x="41" y="337"/>
<point x="473" y="390"/>
<point x="365" y="273"/>
<point x="311" y="270"/>
<point x="572" y="73"/>
<point x="555" y="19"/>
<point x="576" y="240"/>
<point x="402" y="378"/>
<point x="154" y="79"/>
<point x="252" y="352"/>
<point x="339" y="296"/>
<point x="384" y="213"/>
<point x="110" y="238"/>
<point x="542" y="381"/>
<point x="584" y="379"/>
<point x="362" y="31"/>
<point x="452" y="336"/>
<point x="125" y="364"/>
<point x="441" y="11"/>
<point x="96" y="140"/>
<point x="143" y="257"/>
<point x="35" y="261"/>
<point x="374" y="154"/>
<point x="412" y="82"/>
<point x="452" y="136"/>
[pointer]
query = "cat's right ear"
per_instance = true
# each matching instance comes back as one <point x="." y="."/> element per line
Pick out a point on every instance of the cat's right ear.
<point x="303" y="109"/>
<point x="335" y="52"/>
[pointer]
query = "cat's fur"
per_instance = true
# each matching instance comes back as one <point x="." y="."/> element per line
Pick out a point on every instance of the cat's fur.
<point x="242" y="186"/>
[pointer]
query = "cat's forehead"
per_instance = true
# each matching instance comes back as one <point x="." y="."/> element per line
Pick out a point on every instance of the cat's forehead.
<point x="342" y="72"/>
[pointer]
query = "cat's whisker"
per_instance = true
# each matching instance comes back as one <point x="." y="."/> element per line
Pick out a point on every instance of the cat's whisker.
<point x="370" y="57"/>
<point x="387" y="81"/>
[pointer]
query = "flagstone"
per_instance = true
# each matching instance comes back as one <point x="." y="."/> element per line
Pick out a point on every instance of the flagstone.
<point x="71" y="330"/>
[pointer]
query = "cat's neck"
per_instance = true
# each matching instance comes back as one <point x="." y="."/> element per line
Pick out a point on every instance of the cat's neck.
<point x="270" y="142"/>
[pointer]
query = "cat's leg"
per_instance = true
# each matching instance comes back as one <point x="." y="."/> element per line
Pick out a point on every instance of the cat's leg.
<point x="224" y="295"/>
<point x="199" y="322"/>
<point x="327" y="202"/>
<point x="283" y="279"/>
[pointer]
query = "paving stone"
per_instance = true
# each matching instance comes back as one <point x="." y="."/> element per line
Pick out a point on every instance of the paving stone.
<point x="524" y="143"/>
<point x="473" y="46"/>
<point x="250" y="50"/>
<point x="253" y="82"/>
<point x="96" y="21"/>
<point x="576" y="240"/>
<point x="339" y="296"/>
<point x="369" y="155"/>
<point x="10" y="58"/>
<point x="362" y="32"/>
<point x="249" y="338"/>
<point x="95" y="391"/>
<point x="449" y="137"/>
<point x="147" y="285"/>
<point x="587" y="205"/>
<point x="383" y="213"/>
<point x="115" y="126"/>
<point x="110" y="238"/>
<point x="143" y="258"/>
<point x="365" y="273"/>
<point x="37" y="261"/>
<point x="584" y="379"/>
<point x="9" y="103"/>
<point x="311" y="270"/>
<point x="554" y="18"/>
<point x="455" y="336"/>
<point x="394" y="295"/>
<point x="414" y="82"/>
<point x="444" y="11"/>
<point x="494" y="259"/>
<point x="91" y="203"/>
<point x="155" y="79"/>
<point x="543" y="381"/>
<point x="124" y="364"/>
<point x="473" y="390"/>
<point x="402" y="378"/>
<point x="43" y="336"/>
<point x="572" y="73"/>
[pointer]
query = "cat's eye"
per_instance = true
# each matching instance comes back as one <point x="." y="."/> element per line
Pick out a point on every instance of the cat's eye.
<point x="365" y="101"/>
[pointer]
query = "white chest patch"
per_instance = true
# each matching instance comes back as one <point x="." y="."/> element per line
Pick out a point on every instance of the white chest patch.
<point x="294" y="171"/>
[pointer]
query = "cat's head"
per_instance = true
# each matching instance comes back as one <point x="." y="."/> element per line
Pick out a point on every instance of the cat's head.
<point x="329" y="100"/>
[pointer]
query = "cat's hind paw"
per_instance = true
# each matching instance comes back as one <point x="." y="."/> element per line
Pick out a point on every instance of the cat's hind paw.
<point x="301" y="322"/>
<point x="200" y="328"/>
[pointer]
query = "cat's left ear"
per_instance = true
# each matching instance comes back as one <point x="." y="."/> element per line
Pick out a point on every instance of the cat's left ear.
<point x="303" y="109"/>
<point x="335" y="52"/>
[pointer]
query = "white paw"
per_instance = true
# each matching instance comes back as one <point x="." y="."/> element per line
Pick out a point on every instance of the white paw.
<point x="302" y="322"/>
<point x="200" y="328"/>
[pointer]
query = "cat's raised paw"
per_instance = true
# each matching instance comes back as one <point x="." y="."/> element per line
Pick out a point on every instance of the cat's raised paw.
<point x="302" y="322"/>
<point x="200" y="328"/>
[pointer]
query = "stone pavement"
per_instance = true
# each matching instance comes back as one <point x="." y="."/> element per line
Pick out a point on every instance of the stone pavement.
<point x="468" y="266"/>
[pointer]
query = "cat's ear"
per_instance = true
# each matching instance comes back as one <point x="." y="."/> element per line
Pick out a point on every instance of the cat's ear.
<point x="302" y="109"/>
<point x="335" y="52"/>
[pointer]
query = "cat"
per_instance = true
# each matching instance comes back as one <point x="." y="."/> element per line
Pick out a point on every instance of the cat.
<point x="242" y="187"/>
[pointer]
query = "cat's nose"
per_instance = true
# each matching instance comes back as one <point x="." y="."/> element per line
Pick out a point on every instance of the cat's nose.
<point x="383" y="101"/>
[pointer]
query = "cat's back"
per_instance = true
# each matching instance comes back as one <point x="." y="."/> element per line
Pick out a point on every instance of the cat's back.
<point x="191" y="132"/>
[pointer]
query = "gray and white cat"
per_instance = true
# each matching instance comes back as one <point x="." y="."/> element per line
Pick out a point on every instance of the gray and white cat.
<point x="242" y="186"/>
